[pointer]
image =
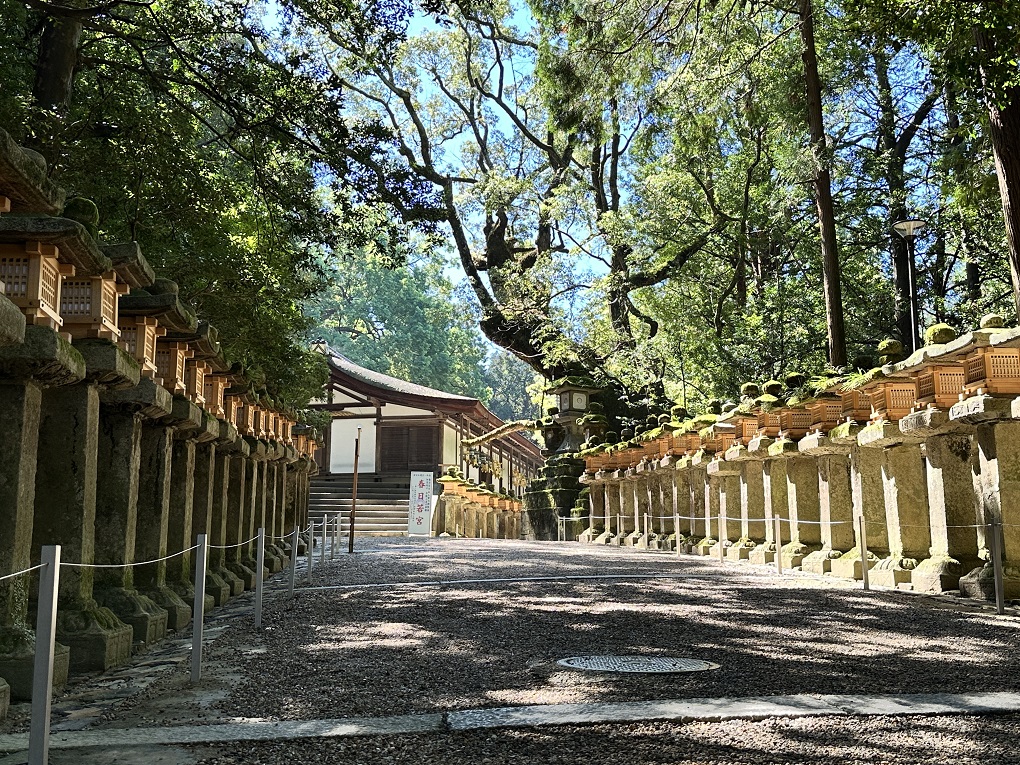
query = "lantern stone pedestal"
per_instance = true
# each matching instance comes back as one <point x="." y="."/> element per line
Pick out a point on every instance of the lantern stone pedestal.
<point x="206" y="488"/>
<point x="65" y="512"/>
<point x="156" y="470"/>
<point x="750" y="503"/>
<point x="996" y="424"/>
<point x="952" y="501"/>
<point x="122" y="414"/>
<point x="835" y="501"/>
<point x="551" y="496"/>
<point x="44" y="359"/>
<point x="868" y="496"/>
<point x="187" y="436"/>
<point x="776" y="504"/>
<point x="223" y="512"/>
<point x="905" y="492"/>
<point x="12" y="325"/>
<point x="237" y="502"/>
<point x="724" y="482"/>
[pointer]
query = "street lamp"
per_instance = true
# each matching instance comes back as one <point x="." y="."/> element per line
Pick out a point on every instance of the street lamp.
<point x="909" y="230"/>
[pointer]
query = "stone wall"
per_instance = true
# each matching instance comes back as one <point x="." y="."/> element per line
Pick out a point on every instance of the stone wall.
<point x="127" y="433"/>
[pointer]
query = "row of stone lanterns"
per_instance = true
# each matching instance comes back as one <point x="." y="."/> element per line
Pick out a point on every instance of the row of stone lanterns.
<point x="127" y="432"/>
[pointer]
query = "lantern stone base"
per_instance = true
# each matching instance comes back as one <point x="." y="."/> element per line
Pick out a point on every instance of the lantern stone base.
<point x="936" y="574"/>
<point x="217" y="587"/>
<point x="763" y="554"/>
<point x="794" y="554"/>
<point x="704" y="546"/>
<point x="740" y="550"/>
<point x="146" y="619"/>
<point x="848" y="565"/>
<point x="978" y="584"/>
<point x="12" y="326"/>
<point x="97" y="638"/>
<point x="245" y="574"/>
<point x="820" y="561"/>
<point x="892" y="572"/>
<point x="178" y="612"/>
<point x="236" y="583"/>
<point x="17" y="661"/>
<point x="186" y="592"/>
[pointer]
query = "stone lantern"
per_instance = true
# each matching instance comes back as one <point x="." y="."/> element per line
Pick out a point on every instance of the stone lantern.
<point x="573" y="396"/>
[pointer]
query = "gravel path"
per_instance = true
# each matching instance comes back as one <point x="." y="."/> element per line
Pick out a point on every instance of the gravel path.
<point x="366" y="652"/>
<point x="360" y="651"/>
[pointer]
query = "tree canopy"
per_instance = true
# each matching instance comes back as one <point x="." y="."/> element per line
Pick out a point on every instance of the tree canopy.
<point x="668" y="198"/>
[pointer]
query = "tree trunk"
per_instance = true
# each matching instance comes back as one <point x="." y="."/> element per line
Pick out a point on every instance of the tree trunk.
<point x="823" y="192"/>
<point x="58" y="57"/>
<point x="1005" y="134"/>
<point x="893" y="170"/>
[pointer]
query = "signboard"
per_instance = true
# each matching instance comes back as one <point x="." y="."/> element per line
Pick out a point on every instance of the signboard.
<point x="419" y="509"/>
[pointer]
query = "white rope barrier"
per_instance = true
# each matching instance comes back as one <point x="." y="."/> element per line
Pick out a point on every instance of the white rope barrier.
<point x="128" y="565"/>
<point x="19" y="573"/>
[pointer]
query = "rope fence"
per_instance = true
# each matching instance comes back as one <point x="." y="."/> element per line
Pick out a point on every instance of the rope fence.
<point x="129" y="565"/>
<point x="22" y="572"/>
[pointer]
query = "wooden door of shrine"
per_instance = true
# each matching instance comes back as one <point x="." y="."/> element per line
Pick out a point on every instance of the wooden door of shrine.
<point x="406" y="448"/>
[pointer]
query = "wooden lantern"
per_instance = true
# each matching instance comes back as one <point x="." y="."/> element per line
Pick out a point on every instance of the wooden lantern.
<point x="138" y="336"/>
<point x="32" y="276"/>
<point x="215" y="385"/>
<point x="246" y="424"/>
<point x="855" y="405"/>
<point x="769" y="424"/>
<point x="171" y="360"/>
<point x="795" y="423"/>
<point x="941" y="384"/>
<point x="194" y="378"/>
<point x="300" y="443"/>
<point x="5" y="204"/>
<point x="232" y="407"/>
<point x="271" y="419"/>
<point x="88" y="306"/>
<point x="287" y="431"/>
<point x="891" y="400"/>
<point x="996" y="371"/>
<point x="826" y="413"/>
<point x="747" y="429"/>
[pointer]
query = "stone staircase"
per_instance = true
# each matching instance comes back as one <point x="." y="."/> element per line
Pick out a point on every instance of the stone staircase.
<point x="382" y="502"/>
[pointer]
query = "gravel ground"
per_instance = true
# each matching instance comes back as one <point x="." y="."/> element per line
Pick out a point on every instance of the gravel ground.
<point x="369" y="651"/>
<point x="811" y="741"/>
<point x="361" y="651"/>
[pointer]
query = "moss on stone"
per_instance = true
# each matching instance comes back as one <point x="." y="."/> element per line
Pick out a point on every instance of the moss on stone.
<point x="938" y="334"/>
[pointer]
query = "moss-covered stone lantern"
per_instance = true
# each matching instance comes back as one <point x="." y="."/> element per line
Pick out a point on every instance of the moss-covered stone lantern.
<point x="573" y="395"/>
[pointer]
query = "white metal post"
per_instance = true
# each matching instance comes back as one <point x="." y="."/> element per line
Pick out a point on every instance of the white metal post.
<point x="778" y="534"/>
<point x="309" y="550"/>
<point x="198" y="608"/>
<point x="42" y="674"/>
<point x="676" y="532"/>
<point x="995" y="530"/>
<point x="865" y="573"/>
<point x="322" y="548"/>
<point x="293" y="561"/>
<point x="260" y="562"/>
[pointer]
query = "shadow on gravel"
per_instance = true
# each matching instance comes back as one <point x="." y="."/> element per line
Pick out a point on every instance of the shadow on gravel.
<point x="377" y="652"/>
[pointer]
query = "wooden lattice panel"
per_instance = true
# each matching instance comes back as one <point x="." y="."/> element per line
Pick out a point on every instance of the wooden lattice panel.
<point x="246" y="420"/>
<point x="769" y="424"/>
<point x="994" y="370"/>
<point x="748" y="429"/>
<point x="138" y="336"/>
<point x="855" y="406"/>
<point x="171" y="359"/>
<point x="941" y="385"/>
<point x="795" y="422"/>
<point x="194" y="380"/>
<point x="892" y="401"/>
<point x="214" y="388"/>
<point x="825" y="414"/>
<point x="32" y="276"/>
<point x="88" y="307"/>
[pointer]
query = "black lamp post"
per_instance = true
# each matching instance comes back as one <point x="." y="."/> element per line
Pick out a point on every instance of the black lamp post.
<point x="909" y="230"/>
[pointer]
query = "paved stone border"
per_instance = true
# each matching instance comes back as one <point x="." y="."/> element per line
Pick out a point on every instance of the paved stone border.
<point x="675" y="710"/>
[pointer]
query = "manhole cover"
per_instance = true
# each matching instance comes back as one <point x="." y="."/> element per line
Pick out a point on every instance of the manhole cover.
<point x="647" y="664"/>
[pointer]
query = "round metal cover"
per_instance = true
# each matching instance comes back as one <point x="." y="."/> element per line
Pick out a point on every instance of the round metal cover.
<point x="645" y="664"/>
